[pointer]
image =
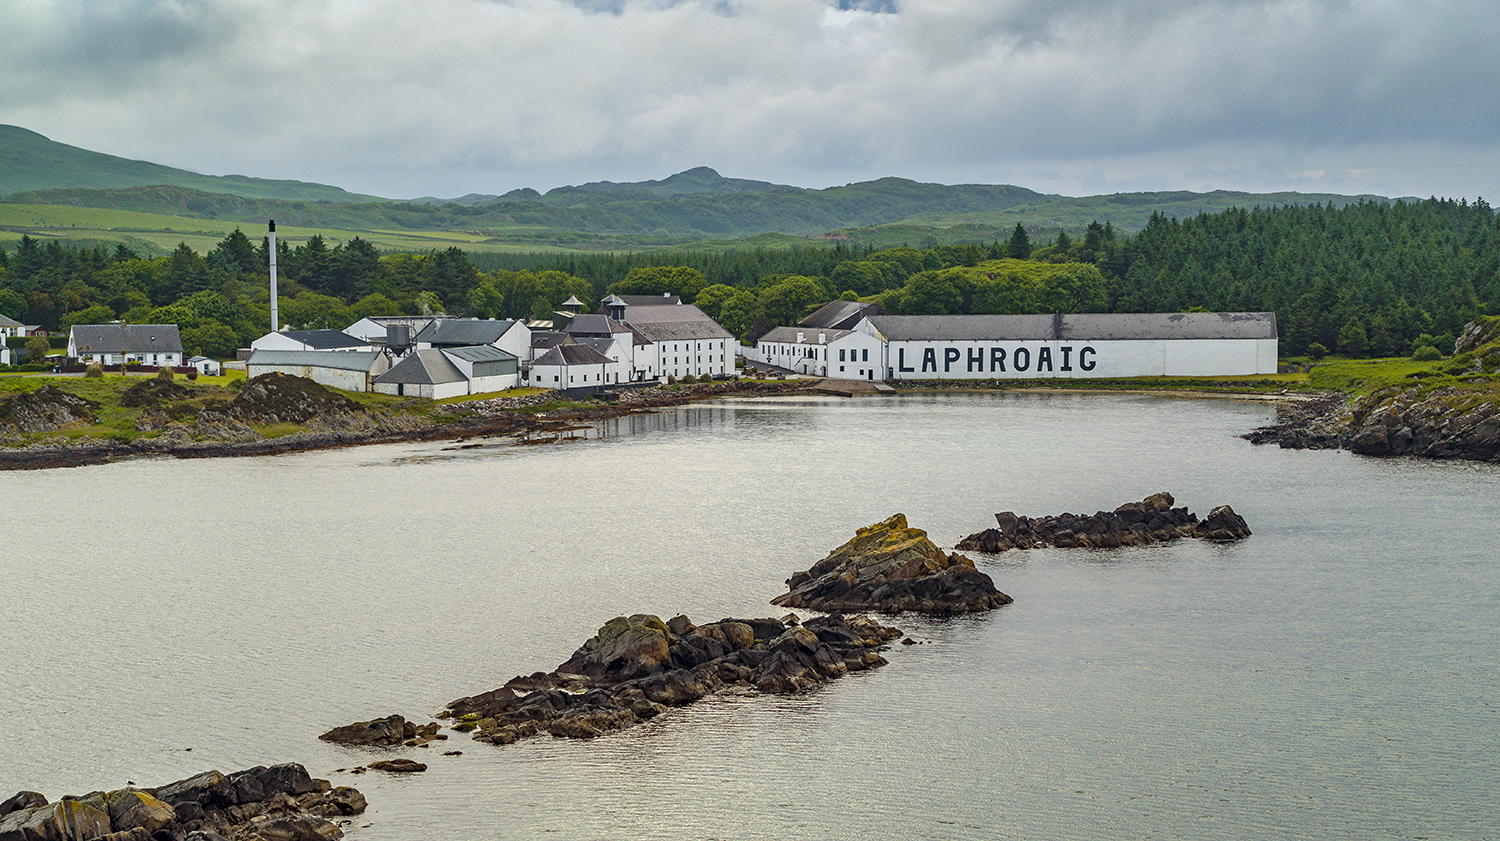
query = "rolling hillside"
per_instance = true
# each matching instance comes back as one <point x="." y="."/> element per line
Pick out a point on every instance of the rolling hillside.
<point x="29" y="161"/>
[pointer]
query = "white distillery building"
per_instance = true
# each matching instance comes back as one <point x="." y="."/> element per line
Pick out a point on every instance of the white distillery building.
<point x="1079" y="346"/>
<point x="673" y="340"/>
<point x="350" y="370"/>
<point x="573" y="366"/>
<point x="437" y="373"/>
<point x="841" y="354"/>
<point x="118" y="344"/>
<point x="318" y="340"/>
<point x="508" y="335"/>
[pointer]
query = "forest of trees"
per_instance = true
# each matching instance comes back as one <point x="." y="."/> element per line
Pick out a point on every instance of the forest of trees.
<point x="1361" y="280"/>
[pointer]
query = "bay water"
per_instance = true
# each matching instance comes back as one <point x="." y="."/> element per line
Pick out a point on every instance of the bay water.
<point x="1333" y="676"/>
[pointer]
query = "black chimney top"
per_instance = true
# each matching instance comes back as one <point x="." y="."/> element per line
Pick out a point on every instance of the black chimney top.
<point x="272" y="223"/>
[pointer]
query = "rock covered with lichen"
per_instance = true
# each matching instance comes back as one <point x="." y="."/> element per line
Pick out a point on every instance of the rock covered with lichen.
<point x="279" y="803"/>
<point x="890" y="567"/>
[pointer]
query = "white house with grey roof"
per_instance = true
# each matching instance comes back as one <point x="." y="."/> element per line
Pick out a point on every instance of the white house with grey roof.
<point x="10" y="328"/>
<point x="438" y="373"/>
<point x="1077" y="346"/>
<point x="315" y="340"/>
<point x="120" y="344"/>
<point x="674" y="340"/>
<point x="841" y="354"/>
<point x="509" y="335"/>
<point x="573" y="367"/>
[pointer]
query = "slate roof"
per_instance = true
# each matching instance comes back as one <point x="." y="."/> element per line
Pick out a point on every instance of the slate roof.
<point x="460" y="332"/>
<point x="424" y="367"/>
<point x="597" y="343"/>
<point x="788" y="335"/>
<point x="352" y="360"/>
<point x="325" y="339"/>
<point x="840" y="315"/>
<point x="7" y="321"/>
<point x="1078" y="327"/>
<point x="650" y="300"/>
<point x="479" y="353"/>
<point x="548" y="339"/>
<point x="665" y="324"/>
<point x="129" y="338"/>
<point x="594" y="324"/>
<point x="572" y="355"/>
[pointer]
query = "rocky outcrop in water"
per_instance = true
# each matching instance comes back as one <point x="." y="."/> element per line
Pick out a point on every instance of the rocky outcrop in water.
<point x="43" y="410"/>
<point x="1447" y="422"/>
<point x="280" y="803"/>
<point x="638" y="666"/>
<point x="389" y="731"/>
<point x="889" y="568"/>
<point x="1152" y="520"/>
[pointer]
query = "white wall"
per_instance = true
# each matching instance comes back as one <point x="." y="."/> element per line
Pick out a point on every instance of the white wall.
<point x="331" y="377"/>
<point x="971" y="360"/>
<point x="862" y="358"/>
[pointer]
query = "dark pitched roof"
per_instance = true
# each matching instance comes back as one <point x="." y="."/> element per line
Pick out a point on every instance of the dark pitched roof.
<point x="650" y="300"/>
<point x="129" y="338"/>
<point x="1079" y="326"/>
<point x="665" y="324"/>
<point x="549" y="339"/>
<point x="840" y="315"/>
<point x="479" y="353"/>
<point x="325" y="339"/>
<point x="594" y="325"/>
<point x="572" y="355"/>
<point x="459" y="332"/>
<point x="423" y="368"/>
<point x="788" y="335"/>
<point x="7" y="321"/>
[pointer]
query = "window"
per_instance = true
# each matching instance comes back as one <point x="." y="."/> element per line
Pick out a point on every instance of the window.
<point x="866" y="355"/>
<point x="841" y="356"/>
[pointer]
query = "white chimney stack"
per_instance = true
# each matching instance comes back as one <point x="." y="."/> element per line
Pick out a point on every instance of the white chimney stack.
<point x="275" y="323"/>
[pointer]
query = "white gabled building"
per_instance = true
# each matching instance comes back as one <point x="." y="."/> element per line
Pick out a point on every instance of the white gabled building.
<point x="571" y="366"/>
<point x="511" y="336"/>
<point x="373" y="329"/>
<point x="674" y="340"/>
<point x="1078" y="346"/>
<point x="840" y="354"/>
<point x="10" y="329"/>
<point x="205" y="366"/>
<point x="353" y="370"/>
<point x="438" y="373"/>
<point x="119" y="344"/>
<point x="314" y="340"/>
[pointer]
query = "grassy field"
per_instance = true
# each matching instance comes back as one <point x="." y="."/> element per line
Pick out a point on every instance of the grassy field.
<point x="154" y="233"/>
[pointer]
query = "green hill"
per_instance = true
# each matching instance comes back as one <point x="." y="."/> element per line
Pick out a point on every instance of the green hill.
<point x="29" y="161"/>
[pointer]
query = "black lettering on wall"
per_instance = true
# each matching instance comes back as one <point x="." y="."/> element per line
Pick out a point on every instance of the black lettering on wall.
<point x="950" y="356"/>
<point x="1084" y="362"/>
<point x="975" y="356"/>
<point x="1066" y="349"/>
<point x="1021" y="359"/>
<point x="997" y="359"/>
<point x="1044" y="357"/>
<point x="901" y="361"/>
<point x="929" y="358"/>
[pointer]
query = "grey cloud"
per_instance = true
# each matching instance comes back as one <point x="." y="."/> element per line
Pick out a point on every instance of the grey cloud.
<point x="460" y="95"/>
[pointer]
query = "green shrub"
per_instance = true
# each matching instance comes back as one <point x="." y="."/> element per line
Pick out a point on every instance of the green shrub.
<point x="688" y="379"/>
<point x="671" y="380"/>
<point x="165" y="375"/>
<point x="1426" y="353"/>
<point x="1316" y="350"/>
<point x="94" y="370"/>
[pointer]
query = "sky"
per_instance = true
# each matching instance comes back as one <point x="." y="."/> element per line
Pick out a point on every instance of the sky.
<point x="445" y="97"/>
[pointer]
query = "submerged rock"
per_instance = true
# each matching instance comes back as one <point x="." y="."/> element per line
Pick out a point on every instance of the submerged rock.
<point x="890" y="567"/>
<point x="398" y="766"/>
<point x="1151" y="520"/>
<point x="260" y="803"/>
<point x="637" y="667"/>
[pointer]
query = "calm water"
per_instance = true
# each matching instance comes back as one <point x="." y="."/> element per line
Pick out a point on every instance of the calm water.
<point x="1334" y="676"/>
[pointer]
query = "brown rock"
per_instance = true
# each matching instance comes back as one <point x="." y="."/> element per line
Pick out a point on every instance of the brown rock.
<point x="398" y="766"/>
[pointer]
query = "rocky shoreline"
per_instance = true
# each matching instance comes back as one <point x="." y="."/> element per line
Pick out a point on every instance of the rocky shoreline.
<point x="1152" y="520"/>
<point x="228" y="436"/>
<point x="1443" y="423"/>
<point x="279" y="803"/>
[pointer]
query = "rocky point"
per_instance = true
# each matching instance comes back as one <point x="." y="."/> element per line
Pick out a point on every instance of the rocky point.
<point x="1152" y="520"/>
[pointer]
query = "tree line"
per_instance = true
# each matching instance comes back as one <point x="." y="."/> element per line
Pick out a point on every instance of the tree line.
<point x="1364" y="279"/>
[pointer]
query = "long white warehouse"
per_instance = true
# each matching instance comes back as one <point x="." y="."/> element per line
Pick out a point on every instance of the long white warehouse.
<point x="1080" y="346"/>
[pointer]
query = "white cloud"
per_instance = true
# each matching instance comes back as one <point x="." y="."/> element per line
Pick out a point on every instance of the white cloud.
<point x="452" y="96"/>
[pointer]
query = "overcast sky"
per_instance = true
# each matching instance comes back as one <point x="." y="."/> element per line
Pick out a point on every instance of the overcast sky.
<point x="444" y="97"/>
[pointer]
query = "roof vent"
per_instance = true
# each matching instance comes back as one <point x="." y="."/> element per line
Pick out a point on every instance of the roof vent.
<point x="801" y="336"/>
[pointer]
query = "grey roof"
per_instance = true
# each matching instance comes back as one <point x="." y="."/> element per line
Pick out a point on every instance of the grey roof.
<point x="479" y="353"/>
<point x="615" y="300"/>
<point x="840" y="315"/>
<point x="461" y="332"/>
<point x="597" y="343"/>
<point x="572" y="301"/>
<point x="788" y="335"/>
<point x="325" y="339"/>
<point x="548" y="339"/>
<point x="594" y="324"/>
<point x="665" y="324"/>
<point x="352" y="360"/>
<point x="650" y="300"/>
<point x="425" y="367"/>
<point x="7" y="321"/>
<point x="129" y="338"/>
<point x="1078" y="327"/>
<point x="572" y="355"/>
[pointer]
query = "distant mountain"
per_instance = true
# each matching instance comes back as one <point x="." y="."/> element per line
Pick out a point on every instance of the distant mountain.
<point x="29" y="161"/>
